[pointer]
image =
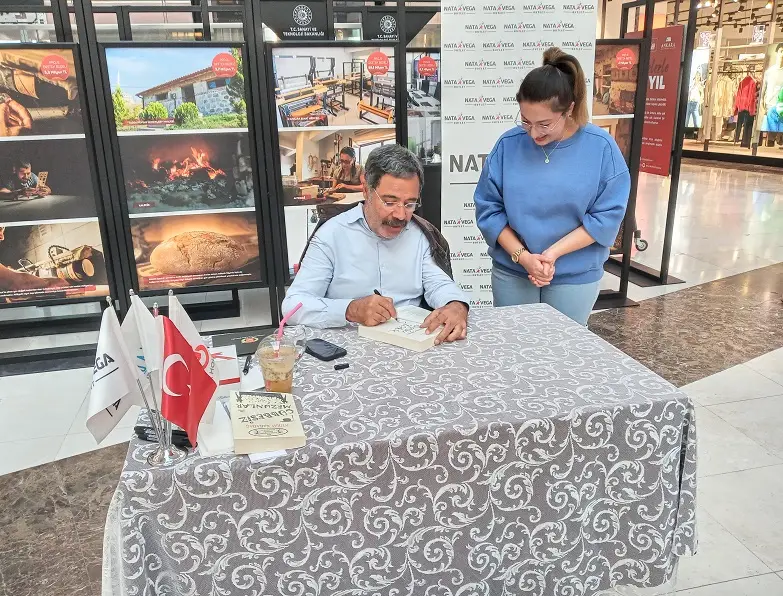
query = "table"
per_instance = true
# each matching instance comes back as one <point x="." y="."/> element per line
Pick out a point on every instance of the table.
<point x="533" y="458"/>
<point x="46" y="208"/>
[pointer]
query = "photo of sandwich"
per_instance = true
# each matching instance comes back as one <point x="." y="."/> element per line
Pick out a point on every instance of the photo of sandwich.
<point x="181" y="251"/>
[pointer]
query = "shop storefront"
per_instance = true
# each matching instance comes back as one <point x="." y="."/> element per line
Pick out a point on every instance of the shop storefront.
<point x="735" y="94"/>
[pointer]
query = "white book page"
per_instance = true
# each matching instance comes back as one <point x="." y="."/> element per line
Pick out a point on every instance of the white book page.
<point x="412" y="314"/>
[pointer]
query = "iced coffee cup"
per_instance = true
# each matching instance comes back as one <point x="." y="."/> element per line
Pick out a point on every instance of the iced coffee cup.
<point x="277" y="360"/>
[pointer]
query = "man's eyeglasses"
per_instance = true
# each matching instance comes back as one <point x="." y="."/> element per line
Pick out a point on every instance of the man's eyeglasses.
<point x="346" y="162"/>
<point x="528" y="126"/>
<point x="408" y="206"/>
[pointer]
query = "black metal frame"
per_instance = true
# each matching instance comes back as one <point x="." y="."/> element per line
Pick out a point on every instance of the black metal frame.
<point x="643" y="275"/>
<point x="431" y="202"/>
<point x="612" y="298"/>
<point x="273" y="168"/>
<point x="28" y="327"/>
<point x="121" y="197"/>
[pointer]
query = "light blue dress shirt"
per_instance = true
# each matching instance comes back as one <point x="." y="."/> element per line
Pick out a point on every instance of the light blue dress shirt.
<point x="346" y="260"/>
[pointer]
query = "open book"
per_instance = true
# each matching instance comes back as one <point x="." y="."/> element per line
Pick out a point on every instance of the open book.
<point x="404" y="332"/>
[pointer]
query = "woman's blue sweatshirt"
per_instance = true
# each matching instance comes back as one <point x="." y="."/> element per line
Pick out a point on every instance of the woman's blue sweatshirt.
<point x="586" y="182"/>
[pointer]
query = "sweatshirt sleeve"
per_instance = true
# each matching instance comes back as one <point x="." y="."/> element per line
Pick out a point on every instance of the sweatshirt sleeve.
<point x="491" y="216"/>
<point x="605" y="214"/>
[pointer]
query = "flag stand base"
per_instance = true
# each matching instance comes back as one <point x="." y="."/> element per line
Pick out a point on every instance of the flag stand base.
<point x="166" y="456"/>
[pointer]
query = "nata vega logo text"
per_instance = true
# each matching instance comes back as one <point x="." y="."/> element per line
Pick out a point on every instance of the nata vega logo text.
<point x="520" y="64"/>
<point x="460" y="83"/>
<point x="481" y="27"/>
<point x="466" y="287"/>
<point x="558" y="26"/>
<point x="462" y="222"/>
<point x="499" y="118"/>
<point x="460" y="118"/>
<point x="577" y="45"/>
<point x="460" y="46"/>
<point x="538" y="8"/>
<point x="497" y="46"/>
<point x="499" y="82"/>
<point x="519" y="27"/>
<point x="538" y="44"/>
<point x="481" y="101"/>
<point x="579" y="8"/>
<point x="481" y="64"/>
<point x="461" y="255"/>
<point x="476" y="271"/>
<point x="499" y="8"/>
<point x="473" y="239"/>
<point x="469" y="205"/>
<point x="481" y="303"/>
<point x="460" y="8"/>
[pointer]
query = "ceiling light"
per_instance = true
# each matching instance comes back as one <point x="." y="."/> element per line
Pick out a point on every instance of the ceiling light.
<point x="698" y="5"/>
<point x="768" y="6"/>
<point x="708" y="3"/>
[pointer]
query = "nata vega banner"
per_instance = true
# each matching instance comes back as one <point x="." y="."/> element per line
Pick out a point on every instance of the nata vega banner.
<point x="487" y="48"/>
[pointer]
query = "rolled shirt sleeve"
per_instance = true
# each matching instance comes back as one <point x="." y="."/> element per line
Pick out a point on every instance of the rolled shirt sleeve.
<point x="439" y="288"/>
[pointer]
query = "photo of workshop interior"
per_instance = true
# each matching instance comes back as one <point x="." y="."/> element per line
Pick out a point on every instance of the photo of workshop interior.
<point x="423" y="92"/>
<point x="310" y="161"/>
<point x="351" y="86"/>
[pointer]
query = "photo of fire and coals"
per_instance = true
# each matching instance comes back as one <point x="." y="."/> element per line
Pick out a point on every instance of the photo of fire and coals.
<point x="39" y="93"/>
<point x="180" y="251"/>
<point x="51" y="261"/>
<point x="42" y="180"/>
<point x="190" y="172"/>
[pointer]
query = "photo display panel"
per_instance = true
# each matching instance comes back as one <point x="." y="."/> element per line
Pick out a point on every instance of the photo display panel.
<point x="181" y="119"/>
<point x="328" y="100"/>
<point x="51" y="248"/>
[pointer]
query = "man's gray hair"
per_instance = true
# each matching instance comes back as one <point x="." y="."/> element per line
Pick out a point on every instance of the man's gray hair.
<point x="394" y="160"/>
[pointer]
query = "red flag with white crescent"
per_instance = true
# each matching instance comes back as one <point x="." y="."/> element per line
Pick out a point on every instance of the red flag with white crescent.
<point x="187" y="387"/>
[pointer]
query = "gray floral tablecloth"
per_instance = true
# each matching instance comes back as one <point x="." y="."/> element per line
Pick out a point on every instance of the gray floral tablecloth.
<point x="533" y="458"/>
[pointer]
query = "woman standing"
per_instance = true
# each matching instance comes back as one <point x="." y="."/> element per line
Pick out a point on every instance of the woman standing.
<point x="347" y="176"/>
<point x="552" y="195"/>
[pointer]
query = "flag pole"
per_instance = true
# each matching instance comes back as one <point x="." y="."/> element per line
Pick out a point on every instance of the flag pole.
<point x="166" y="453"/>
<point x="150" y="411"/>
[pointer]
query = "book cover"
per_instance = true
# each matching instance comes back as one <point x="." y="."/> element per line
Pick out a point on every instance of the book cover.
<point x="264" y="421"/>
<point x="404" y="332"/>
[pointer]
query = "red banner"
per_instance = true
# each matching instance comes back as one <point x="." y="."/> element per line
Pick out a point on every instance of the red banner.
<point x="662" y="100"/>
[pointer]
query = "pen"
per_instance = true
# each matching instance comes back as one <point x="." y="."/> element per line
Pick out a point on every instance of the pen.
<point x="377" y="293"/>
<point x="247" y="365"/>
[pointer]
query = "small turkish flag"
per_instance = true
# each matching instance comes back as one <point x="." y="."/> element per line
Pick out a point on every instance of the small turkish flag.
<point x="187" y="387"/>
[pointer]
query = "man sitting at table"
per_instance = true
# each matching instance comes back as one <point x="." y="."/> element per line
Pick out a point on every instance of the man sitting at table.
<point x="375" y="246"/>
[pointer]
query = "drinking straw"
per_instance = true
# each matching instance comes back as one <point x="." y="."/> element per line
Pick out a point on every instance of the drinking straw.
<point x="285" y="320"/>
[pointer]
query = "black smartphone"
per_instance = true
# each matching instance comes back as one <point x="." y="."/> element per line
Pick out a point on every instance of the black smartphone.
<point x="324" y="350"/>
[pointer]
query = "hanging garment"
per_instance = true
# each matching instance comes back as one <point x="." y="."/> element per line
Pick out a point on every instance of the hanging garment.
<point x="725" y="92"/>
<point x="746" y="96"/>
<point x="745" y="123"/>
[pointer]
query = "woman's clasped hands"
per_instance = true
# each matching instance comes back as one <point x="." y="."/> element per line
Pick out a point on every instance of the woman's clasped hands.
<point x="540" y="268"/>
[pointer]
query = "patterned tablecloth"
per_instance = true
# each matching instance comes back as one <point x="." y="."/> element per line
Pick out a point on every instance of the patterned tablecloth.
<point x="533" y="458"/>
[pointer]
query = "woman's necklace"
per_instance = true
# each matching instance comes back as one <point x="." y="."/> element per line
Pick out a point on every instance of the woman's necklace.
<point x="546" y="155"/>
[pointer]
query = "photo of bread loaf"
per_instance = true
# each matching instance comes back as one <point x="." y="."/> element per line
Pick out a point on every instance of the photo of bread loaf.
<point x="192" y="253"/>
<point x="196" y="250"/>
